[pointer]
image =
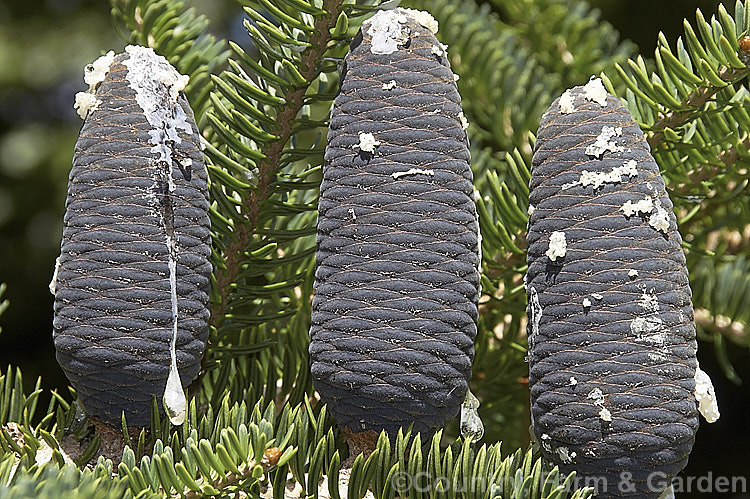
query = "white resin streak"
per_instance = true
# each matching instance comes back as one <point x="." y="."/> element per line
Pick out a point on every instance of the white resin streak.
<point x="536" y="316"/>
<point x="367" y="142"/>
<point x="157" y="86"/>
<point x="413" y="171"/>
<point x="567" y="100"/>
<point x="174" y="400"/>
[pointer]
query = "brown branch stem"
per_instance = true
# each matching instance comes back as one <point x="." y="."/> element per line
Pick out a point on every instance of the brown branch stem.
<point x="269" y="166"/>
<point x="695" y="100"/>
<point x="731" y="155"/>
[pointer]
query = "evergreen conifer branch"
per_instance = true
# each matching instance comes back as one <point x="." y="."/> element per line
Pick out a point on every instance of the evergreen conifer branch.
<point x="51" y="481"/>
<point x="266" y="159"/>
<point x="281" y="131"/>
<point x="235" y="449"/>
<point x="730" y="155"/>
<point x="692" y="104"/>
<point x="689" y="107"/>
<point x="722" y="305"/>
<point x="269" y="164"/>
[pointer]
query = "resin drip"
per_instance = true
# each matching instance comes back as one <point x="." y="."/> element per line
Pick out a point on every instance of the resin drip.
<point x="157" y="86"/>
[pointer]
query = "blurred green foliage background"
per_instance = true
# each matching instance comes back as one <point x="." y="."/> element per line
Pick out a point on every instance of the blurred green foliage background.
<point x="44" y="45"/>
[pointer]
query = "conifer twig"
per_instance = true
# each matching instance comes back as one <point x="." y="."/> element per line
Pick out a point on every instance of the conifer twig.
<point x="270" y="164"/>
<point x="695" y="101"/>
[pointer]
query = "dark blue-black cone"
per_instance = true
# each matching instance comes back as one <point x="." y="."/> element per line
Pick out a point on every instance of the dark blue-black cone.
<point x="396" y="285"/>
<point x="612" y="347"/>
<point x="113" y="309"/>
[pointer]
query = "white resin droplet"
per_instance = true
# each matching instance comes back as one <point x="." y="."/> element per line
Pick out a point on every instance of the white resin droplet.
<point x="566" y="102"/>
<point x="390" y="85"/>
<point x="545" y="441"/>
<point x="93" y="74"/>
<point x="423" y="18"/>
<point x="598" y="397"/>
<point x="463" y="120"/>
<point x="597" y="179"/>
<point x="594" y="91"/>
<point x="645" y="205"/>
<point x="386" y="31"/>
<point x="53" y="282"/>
<point x="605" y="415"/>
<point x="706" y="396"/>
<point x="668" y="493"/>
<point x="558" y="246"/>
<point x="649" y="301"/>
<point x="367" y="142"/>
<point x="536" y="315"/>
<point x="660" y="219"/>
<point x="86" y="103"/>
<point x="175" y="403"/>
<point x="471" y="425"/>
<point x="565" y="455"/>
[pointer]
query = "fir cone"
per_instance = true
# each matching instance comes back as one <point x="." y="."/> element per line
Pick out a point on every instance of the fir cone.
<point x="396" y="285"/>
<point x="612" y="347"/>
<point x="132" y="281"/>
